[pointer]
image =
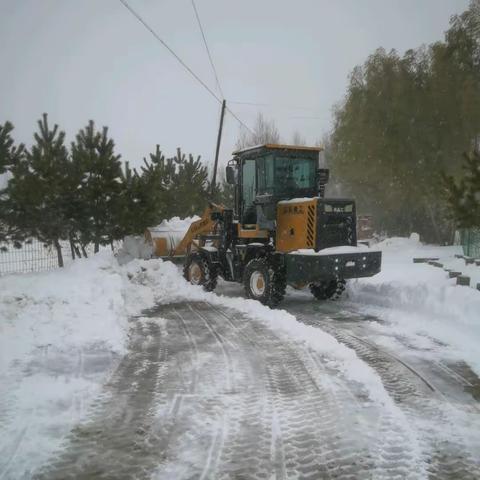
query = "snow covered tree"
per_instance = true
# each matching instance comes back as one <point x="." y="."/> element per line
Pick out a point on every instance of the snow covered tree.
<point x="100" y="182"/>
<point x="464" y="195"/>
<point x="264" y="131"/>
<point x="37" y="192"/>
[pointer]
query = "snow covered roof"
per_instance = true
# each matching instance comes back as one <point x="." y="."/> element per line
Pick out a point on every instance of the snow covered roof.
<point x="279" y="147"/>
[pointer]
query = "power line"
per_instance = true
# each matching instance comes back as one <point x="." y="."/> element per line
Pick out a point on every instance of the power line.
<point x="272" y="105"/>
<point x="184" y="65"/>
<point x="306" y="118"/>
<point x="206" y="47"/>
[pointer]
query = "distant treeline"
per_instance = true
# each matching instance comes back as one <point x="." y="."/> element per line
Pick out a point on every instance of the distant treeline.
<point x="404" y="126"/>
<point x="85" y="194"/>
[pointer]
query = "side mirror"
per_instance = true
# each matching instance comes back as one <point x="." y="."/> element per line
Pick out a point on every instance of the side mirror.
<point x="230" y="174"/>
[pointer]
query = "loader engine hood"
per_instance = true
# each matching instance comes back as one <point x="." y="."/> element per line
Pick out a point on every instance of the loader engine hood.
<point x="315" y="224"/>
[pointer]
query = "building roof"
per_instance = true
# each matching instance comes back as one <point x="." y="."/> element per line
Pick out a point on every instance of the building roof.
<point x="278" y="147"/>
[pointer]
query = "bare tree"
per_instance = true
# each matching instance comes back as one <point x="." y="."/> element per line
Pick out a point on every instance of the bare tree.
<point x="297" y="138"/>
<point x="264" y="131"/>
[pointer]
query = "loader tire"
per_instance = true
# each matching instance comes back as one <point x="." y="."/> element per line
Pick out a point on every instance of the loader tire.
<point x="264" y="281"/>
<point x="328" y="290"/>
<point x="199" y="271"/>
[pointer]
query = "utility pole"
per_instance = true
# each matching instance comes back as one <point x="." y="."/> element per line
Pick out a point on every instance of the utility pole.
<point x="217" y="151"/>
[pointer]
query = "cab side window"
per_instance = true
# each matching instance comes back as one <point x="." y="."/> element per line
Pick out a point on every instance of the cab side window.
<point x="265" y="174"/>
<point x="249" y="191"/>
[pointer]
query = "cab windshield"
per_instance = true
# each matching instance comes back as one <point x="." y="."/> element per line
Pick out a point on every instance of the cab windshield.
<point x="286" y="176"/>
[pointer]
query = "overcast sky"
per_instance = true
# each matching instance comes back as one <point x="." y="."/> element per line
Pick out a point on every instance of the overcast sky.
<point x="91" y="59"/>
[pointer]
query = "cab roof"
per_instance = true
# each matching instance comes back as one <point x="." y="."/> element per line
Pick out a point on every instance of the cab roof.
<point x="276" y="146"/>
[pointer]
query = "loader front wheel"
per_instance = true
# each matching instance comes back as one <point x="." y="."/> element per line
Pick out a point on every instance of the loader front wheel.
<point x="199" y="271"/>
<point x="328" y="290"/>
<point x="264" y="282"/>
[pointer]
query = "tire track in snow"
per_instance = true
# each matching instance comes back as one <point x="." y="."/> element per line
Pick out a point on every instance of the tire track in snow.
<point x="447" y="453"/>
<point x="169" y="412"/>
<point x="317" y="439"/>
<point x="116" y="440"/>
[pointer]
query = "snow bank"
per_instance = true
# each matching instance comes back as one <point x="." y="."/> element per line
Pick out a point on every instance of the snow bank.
<point x="134" y="247"/>
<point x="419" y="299"/>
<point x="64" y="308"/>
<point x="61" y="334"/>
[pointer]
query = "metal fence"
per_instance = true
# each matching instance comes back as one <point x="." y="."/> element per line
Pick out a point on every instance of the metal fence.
<point x="33" y="256"/>
<point x="470" y="241"/>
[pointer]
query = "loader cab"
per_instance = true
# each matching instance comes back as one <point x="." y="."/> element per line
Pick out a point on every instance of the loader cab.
<point x="267" y="174"/>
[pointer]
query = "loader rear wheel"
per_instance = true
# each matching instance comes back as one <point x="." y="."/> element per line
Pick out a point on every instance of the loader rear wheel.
<point x="199" y="271"/>
<point x="264" y="281"/>
<point x="328" y="290"/>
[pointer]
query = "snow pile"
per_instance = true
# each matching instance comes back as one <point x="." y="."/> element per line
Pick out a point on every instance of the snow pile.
<point x="134" y="247"/>
<point x="61" y="334"/>
<point x="419" y="299"/>
<point x="175" y="224"/>
<point x="173" y="230"/>
<point x="64" y="308"/>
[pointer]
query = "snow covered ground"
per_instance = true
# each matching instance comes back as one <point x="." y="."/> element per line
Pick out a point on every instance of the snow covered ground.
<point x="63" y="333"/>
<point x="420" y="300"/>
<point x="60" y="335"/>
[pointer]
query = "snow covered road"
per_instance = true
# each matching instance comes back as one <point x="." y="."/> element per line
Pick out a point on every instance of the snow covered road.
<point x="205" y="392"/>
<point x="123" y="372"/>
<point x="439" y="396"/>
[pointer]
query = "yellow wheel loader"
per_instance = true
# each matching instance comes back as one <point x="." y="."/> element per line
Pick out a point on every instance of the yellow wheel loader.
<point x="282" y="230"/>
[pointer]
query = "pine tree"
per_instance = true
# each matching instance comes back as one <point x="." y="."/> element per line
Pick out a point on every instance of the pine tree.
<point x="463" y="196"/>
<point x="161" y="189"/>
<point x="38" y="193"/>
<point x="9" y="152"/>
<point x="140" y="205"/>
<point x="189" y="186"/>
<point x="99" y="190"/>
<point x="158" y="177"/>
<point x="10" y="155"/>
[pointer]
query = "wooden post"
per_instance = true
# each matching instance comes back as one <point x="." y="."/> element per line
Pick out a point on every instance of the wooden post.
<point x="217" y="150"/>
<point x="58" y="248"/>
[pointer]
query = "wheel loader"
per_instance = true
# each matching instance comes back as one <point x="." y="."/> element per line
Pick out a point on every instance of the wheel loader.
<point x="281" y="230"/>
